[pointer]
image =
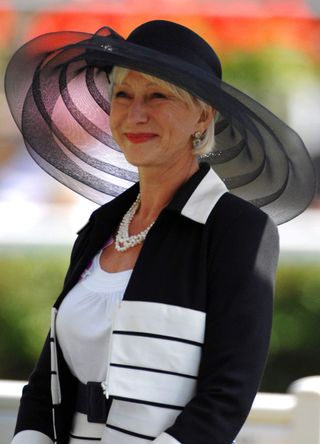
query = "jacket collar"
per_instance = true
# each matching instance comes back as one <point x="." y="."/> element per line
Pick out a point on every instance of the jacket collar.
<point x="195" y="199"/>
<point x="198" y="196"/>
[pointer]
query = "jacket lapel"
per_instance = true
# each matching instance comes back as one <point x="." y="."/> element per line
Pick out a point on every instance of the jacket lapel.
<point x="93" y="236"/>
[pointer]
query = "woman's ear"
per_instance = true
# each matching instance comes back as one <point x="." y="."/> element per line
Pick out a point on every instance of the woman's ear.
<point x="206" y="117"/>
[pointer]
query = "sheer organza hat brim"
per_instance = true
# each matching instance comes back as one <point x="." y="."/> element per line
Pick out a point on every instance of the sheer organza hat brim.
<point x="57" y="90"/>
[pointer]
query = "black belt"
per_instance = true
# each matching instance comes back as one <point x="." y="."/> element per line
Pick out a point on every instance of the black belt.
<point x="92" y="402"/>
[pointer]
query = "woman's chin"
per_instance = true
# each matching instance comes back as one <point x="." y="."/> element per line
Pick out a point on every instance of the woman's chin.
<point x="142" y="163"/>
<point x="140" y="156"/>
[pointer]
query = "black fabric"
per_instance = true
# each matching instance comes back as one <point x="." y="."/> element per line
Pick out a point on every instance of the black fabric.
<point x="182" y="43"/>
<point x="57" y="83"/>
<point x="36" y="411"/>
<point x="92" y="402"/>
<point x="36" y="402"/>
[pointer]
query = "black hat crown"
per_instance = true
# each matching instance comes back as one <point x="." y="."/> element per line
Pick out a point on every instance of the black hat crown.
<point x="178" y="41"/>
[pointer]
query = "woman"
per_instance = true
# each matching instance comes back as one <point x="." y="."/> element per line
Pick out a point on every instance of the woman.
<point x="161" y="331"/>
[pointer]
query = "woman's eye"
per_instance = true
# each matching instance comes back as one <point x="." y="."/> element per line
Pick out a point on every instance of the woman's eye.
<point x="120" y="94"/>
<point x="158" y="95"/>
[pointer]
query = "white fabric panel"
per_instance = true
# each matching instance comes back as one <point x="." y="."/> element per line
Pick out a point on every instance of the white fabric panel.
<point x="204" y="197"/>
<point x="55" y="384"/>
<point x="151" y="386"/>
<point x="84" y="320"/>
<point x="165" y="438"/>
<point x="156" y="353"/>
<point x="81" y="427"/>
<point x="161" y="319"/>
<point x="31" y="437"/>
<point x="142" y="418"/>
<point x="111" y="436"/>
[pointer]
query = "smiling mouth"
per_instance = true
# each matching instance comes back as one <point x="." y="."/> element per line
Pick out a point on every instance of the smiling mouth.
<point x="140" y="137"/>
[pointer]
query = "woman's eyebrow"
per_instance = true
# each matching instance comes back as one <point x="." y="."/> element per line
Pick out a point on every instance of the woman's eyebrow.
<point x="148" y="84"/>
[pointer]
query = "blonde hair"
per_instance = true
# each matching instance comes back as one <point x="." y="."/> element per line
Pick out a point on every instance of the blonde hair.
<point x="206" y="145"/>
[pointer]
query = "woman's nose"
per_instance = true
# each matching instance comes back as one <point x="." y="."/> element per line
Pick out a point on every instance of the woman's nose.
<point x="137" y="111"/>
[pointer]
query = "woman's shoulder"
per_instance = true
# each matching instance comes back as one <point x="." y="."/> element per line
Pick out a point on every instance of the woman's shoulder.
<point x="232" y="208"/>
<point x="235" y="218"/>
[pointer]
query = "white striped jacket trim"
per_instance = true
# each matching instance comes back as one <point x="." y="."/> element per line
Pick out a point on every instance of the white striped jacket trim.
<point x="55" y="383"/>
<point x="146" y="338"/>
<point x="165" y="438"/>
<point x="31" y="437"/>
<point x="148" y="420"/>
<point x="155" y="356"/>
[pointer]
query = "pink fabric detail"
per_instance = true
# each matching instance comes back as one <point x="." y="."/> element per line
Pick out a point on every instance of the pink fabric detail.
<point x="109" y="242"/>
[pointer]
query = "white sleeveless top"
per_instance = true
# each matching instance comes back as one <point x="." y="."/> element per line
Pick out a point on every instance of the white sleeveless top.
<point x="84" y="320"/>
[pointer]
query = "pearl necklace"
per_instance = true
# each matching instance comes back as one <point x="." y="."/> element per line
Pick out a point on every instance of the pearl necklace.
<point x="123" y="240"/>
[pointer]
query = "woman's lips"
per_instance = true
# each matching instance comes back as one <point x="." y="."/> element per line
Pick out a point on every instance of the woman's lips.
<point x="140" y="137"/>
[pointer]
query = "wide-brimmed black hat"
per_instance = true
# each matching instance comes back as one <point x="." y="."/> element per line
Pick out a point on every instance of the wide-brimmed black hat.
<point x="57" y="90"/>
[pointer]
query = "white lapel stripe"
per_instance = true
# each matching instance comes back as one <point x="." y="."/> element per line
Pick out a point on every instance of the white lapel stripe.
<point x="204" y="198"/>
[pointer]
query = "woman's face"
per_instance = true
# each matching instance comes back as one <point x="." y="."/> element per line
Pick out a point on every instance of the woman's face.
<point x="152" y="126"/>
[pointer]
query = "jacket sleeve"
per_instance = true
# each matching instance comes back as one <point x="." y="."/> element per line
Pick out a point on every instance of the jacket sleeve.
<point x="241" y="278"/>
<point x="35" y="412"/>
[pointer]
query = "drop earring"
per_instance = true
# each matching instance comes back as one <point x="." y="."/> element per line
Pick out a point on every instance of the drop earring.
<point x="196" y="139"/>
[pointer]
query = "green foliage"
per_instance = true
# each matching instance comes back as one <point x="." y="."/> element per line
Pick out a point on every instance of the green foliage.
<point x="284" y="65"/>
<point x="29" y="284"/>
<point x="295" y="340"/>
<point x="4" y="58"/>
<point x="271" y="75"/>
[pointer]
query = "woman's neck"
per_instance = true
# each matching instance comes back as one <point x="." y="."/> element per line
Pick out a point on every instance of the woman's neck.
<point x="159" y="185"/>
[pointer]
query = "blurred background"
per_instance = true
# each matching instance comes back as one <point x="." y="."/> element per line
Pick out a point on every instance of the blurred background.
<point x="271" y="50"/>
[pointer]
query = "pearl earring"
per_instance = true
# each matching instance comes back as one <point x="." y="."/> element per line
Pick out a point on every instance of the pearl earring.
<point x="196" y="139"/>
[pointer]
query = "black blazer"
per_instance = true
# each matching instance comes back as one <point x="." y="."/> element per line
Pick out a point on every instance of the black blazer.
<point x="199" y="300"/>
